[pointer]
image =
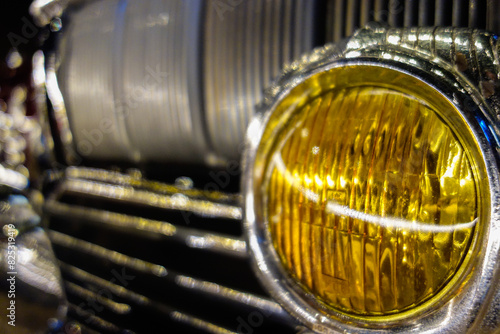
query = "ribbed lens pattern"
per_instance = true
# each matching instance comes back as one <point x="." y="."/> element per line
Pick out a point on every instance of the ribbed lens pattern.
<point x="371" y="200"/>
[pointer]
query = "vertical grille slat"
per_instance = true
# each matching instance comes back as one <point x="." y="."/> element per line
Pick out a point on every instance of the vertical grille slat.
<point x="492" y="16"/>
<point x="411" y="13"/>
<point x="344" y="17"/>
<point x="473" y="13"/>
<point x="458" y="18"/>
<point x="366" y="11"/>
<point x="381" y="10"/>
<point x="352" y="16"/>
<point x="338" y="19"/>
<point x="395" y="13"/>
<point x="425" y="12"/>
<point x="442" y="12"/>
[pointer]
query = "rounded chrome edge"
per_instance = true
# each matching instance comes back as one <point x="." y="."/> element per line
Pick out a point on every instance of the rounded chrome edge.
<point x="460" y="311"/>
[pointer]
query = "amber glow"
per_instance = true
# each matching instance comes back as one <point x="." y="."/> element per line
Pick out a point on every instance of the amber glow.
<point x="370" y="198"/>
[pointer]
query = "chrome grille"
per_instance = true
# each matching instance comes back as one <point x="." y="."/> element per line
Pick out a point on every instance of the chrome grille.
<point x="147" y="257"/>
<point x="344" y="17"/>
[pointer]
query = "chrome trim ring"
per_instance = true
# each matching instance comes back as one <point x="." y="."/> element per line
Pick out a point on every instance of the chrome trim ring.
<point x="471" y="308"/>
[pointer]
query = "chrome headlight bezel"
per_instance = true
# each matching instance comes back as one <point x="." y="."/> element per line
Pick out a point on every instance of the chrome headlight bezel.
<point x="477" y="113"/>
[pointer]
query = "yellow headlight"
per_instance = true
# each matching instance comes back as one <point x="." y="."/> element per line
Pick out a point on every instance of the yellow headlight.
<point x="370" y="194"/>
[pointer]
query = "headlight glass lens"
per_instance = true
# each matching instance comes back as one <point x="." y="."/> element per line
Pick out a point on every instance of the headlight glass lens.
<point x="370" y="197"/>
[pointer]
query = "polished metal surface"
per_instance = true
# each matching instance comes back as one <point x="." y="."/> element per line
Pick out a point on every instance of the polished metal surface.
<point x="169" y="81"/>
<point x="137" y="181"/>
<point x="245" y="48"/>
<point x="84" y="205"/>
<point x="150" y="228"/>
<point x="32" y="289"/>
<point x="59" y="113"/>
<point x="219" y="291"/>
<point x="471" y="53"/>
<point x="142" y="67"/>
<point x="136" y="196"/>
<point x="115" y="257"/>
<point x="134" y="300"/>
<point x="424" y="54"/>
<point x="200" y="324"/>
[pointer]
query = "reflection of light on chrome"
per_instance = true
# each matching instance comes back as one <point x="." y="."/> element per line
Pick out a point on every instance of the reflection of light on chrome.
<point x="179" y="200"/>
<point x="60" y="115"/>
<point x="212" y="241"/>
<point x="264" y="305"/>
<point x="354" y="44"/>
<point x="353" y="54"/>
<point x="25" y="255"/>
<point x="438" y="72"/>
<point x="342" y="182"/>
<point x="393" y="39"/>
<point x="342" y="210"/>
<point x="53" y="91"/>
<point x="443" y="323"/>
<point x="198" y="242"/>
<point x="445" y="39"/>
<point x="12" y="179"/>
<point x="39" y="274"/>
<point x="38" y="68"/>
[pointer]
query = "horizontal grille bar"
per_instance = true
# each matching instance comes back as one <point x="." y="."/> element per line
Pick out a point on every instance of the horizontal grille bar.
<point x="147" y="268"/>
<point x="102" y="325"/>
<point x="88" y="248"/>
<point x="183" y="248"/>
<point x="132" y="195"/>
<point x="135" y="180"/>
<point x="152" y="228"/>
<point x="131" y="300"/>
<point x="198" y="323"/>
